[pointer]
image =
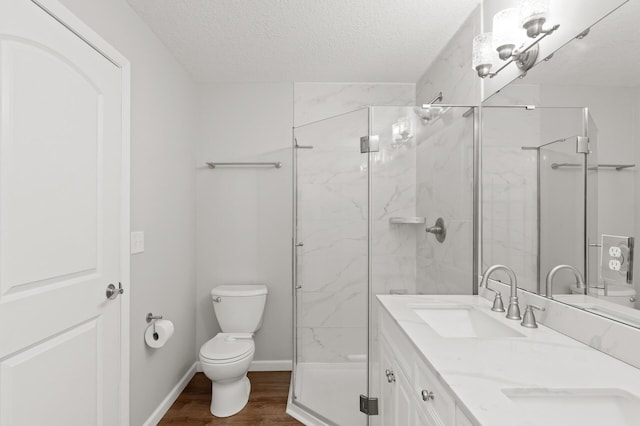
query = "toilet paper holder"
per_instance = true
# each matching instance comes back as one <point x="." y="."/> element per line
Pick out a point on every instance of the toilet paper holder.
<point x="151" y="317"/>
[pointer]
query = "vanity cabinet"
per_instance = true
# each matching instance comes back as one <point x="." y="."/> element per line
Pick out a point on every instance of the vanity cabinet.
<point x="411" y="393"/>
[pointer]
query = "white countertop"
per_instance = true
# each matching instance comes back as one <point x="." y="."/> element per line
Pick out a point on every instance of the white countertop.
<point x="476" y="370"/>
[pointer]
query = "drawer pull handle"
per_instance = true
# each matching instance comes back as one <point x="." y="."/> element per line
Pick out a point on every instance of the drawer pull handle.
<point x="427" y="395"/>
<point x="391" y="377"/>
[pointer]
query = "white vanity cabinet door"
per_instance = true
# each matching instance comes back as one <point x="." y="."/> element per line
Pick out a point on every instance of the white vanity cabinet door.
<point x="439" y="403"/>
<point x="397" y="406"/>
<point x="387" y="403"/>
<point x="461" y="419"/>
<point x="404" y="407"/>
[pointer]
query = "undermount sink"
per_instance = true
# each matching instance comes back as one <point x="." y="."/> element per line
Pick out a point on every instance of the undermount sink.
<point x="584" y="407"/>
<point x="463" y="321"/>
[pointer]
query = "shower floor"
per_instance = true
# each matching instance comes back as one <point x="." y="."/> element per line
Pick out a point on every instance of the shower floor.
<point x="332" y="390"/>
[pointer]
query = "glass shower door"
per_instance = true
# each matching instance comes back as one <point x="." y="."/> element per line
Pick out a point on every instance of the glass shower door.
<point x="423" y="170"/>
<point x="331" y="268"/>
<point x="567" y="180"/>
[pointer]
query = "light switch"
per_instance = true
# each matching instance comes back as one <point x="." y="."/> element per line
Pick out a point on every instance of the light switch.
<point x="137" y="242"/>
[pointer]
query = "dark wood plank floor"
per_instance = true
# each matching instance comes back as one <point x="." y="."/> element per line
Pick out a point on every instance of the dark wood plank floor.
<point x="266" y="406"/>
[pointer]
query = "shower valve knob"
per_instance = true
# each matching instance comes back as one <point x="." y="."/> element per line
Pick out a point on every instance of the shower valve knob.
<point x="439" y="230"/>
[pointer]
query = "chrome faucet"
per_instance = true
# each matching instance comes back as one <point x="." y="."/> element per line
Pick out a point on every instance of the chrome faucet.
<point x="552" y="273"/>
<point x="513" y="312"/>
<point x="498" y="306"/>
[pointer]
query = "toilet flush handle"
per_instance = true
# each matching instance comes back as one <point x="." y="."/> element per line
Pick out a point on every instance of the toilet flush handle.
<point x="218" y="299"/>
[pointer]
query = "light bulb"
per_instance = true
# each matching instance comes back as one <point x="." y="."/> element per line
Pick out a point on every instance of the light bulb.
<point x="534" y="14"/>
<point x="507" y="33"/>
<point x="483" y="54"/>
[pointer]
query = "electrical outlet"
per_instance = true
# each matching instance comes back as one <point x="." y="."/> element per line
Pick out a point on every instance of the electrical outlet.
<point x="617" y="258"/>
<point x="137" y="242"/>
<point x="614" y="265"/>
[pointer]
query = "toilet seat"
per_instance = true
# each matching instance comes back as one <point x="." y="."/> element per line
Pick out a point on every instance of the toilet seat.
<point x="226" y="348"/>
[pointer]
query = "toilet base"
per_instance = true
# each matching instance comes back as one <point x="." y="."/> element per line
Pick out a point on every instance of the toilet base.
<point x="229" y="398"/>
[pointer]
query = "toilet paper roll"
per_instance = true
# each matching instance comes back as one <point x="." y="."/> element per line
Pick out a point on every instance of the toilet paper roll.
<point x="159" y="333"/>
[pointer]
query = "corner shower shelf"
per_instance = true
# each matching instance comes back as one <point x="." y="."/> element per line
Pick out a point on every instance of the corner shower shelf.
<point x="409" y="220"/>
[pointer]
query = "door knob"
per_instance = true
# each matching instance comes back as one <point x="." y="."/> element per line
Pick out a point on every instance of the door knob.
<point x="113" y="292"/>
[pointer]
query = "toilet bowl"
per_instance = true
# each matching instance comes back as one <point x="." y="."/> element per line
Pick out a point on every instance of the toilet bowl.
<point x="226" y="358"/>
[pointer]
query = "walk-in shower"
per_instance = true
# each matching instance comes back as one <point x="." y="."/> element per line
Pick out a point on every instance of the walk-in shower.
<point x="367" y="184"/>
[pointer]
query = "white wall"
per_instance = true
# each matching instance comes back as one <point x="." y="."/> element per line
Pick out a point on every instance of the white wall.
<point x="244" y="215"/>
<point x="162" y="198"/>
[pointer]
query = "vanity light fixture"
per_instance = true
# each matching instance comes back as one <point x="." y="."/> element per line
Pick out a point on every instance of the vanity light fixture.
<point x="483" y="54"/>
<point x="511" y="27"/>
<point x="402" y="132"/>
<point x="534" y="15"/>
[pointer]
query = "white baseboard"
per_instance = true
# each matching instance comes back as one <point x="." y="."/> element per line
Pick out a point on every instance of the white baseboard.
<point x="168" y="401"/>
<point x="275" y="365"/>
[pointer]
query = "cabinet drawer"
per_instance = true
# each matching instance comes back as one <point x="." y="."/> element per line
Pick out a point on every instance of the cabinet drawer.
<point x="442" y="404"/>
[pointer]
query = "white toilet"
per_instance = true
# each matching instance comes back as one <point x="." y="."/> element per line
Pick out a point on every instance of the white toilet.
<point x="226" y="358"/>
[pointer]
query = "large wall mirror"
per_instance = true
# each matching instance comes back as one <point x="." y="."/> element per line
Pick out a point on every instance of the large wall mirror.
<point x="561" y="171"/>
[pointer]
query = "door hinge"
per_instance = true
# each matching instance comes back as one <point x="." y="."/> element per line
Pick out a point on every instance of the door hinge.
<point x="369" y="406"/>
<point x="369" y="144"/>
<point x="582" y="145"/>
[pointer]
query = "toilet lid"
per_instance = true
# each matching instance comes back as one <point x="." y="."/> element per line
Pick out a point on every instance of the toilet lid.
<point x="240" y="290"/>
<point x="226" y="347"/>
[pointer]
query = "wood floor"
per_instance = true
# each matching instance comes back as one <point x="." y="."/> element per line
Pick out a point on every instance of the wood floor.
<point x="267" y="403"/>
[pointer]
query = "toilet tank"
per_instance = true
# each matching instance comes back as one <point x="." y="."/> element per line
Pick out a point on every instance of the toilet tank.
<point x="239" y="308"/>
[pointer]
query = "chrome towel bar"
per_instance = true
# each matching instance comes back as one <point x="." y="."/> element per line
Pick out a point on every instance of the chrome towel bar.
<point x="618" y="167"/>
<point x="276" y="164"/>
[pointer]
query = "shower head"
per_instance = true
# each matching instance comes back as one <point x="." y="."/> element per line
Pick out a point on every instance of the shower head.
<point x="430" y="113"/>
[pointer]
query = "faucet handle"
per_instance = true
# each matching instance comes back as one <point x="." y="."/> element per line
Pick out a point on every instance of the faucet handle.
<point x="529" y="319"/>
<point x="498" y="306"/>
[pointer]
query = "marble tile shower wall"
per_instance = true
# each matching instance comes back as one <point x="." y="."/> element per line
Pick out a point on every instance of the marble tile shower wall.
<point x="451" y="72"/>
<point x="509" y="197"/>
<point x="332" y="225"/>
<point x="333" y="212"/>
<point x="317" y="101"/>
<point x="445" y="172"/>
<point x="509" y="185"/>
<point x="445" y="189"/>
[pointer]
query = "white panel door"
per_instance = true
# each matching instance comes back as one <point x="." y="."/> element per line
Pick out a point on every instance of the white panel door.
<point x="60" y="224"/>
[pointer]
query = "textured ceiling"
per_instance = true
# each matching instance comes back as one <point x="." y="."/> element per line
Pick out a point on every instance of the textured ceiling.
<point x="305" y="40"/>
<point x="608" y="56"/>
